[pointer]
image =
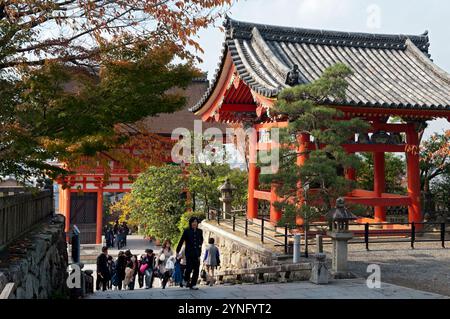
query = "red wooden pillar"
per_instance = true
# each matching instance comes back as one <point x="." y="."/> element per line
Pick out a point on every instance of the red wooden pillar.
<point x="379" y="184"/>
<point x="275" y="214"/>
<point x="253" y="178"/>
<point x="99" y="232"/>
<point x="67" y="208"/>
<point x="412" y="160"/>
<point x="303" y="141"/>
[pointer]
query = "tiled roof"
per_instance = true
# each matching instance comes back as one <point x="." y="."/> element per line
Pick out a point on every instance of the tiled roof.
<point x="390" y="71"/>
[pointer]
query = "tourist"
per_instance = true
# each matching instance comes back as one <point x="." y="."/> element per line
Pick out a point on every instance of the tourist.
<point x="102" y="269"/>
<point x="121" y="264"/>
<point x="192" y="238"/>
<point x="112" y="271"/>
<point x="182" y="261"/>
<point x="211" y="260"/>
<point x="129" y="272"/>
<point x="120" y="238"/>
<point x="164" y="255"/>
<point x="109" y="237"/>
<point x="116" y="227"/>
<point x="126" y="232"/>
<point x="148" y="268"/>
<point x="141" y="274"/>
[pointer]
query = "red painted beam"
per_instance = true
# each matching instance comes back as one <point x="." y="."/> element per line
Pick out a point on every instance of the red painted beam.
<point x="238" y="108"/>
<point x="364" y="111"/>
<point x="262" y="195"/>
<point x="387" y="148"/>
<point x="380" y="201"/>
<point x="393" y="128"/>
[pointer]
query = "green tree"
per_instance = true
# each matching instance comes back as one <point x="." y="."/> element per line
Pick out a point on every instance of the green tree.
<point x="395" y="172"/>
<point x="74" y="73"/>
<point x="321" y="177"/>
<point x="157" y="201"/>
<point x="204" y="181"/>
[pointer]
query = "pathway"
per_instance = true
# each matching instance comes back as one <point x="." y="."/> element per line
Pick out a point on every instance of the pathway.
<point x="340" y="289"/>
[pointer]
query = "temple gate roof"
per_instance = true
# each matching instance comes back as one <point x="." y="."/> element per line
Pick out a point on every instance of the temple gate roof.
<point x="390" y="71"/>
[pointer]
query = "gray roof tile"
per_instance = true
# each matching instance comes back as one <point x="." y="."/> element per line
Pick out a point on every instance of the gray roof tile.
<point x="389" y="70"/>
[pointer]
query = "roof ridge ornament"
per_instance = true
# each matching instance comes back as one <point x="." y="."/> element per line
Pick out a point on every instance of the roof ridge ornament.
<point x="293" y="76"/>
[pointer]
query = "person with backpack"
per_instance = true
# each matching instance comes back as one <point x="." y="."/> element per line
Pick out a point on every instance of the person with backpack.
<point x="119" y="276"/>
<point x="211" y="260"/>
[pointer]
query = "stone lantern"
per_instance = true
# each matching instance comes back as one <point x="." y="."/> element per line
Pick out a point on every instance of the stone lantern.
<point x="226" y="191"/>
<point x="339" y="219"/>
<point x="340" y="216"/>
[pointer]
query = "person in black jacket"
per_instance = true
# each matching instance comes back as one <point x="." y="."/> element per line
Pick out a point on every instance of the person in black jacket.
<point x="121" y="264"/>
<point x="103" y="275"/>
<point x="192" y="238"/>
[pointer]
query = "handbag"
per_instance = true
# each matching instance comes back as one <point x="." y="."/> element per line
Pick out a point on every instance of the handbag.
<point x="143" y="268"/>
<point x="203" y="275"/>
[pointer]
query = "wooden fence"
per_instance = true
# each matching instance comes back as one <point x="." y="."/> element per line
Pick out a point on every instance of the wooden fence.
<point x="21" y="212"/>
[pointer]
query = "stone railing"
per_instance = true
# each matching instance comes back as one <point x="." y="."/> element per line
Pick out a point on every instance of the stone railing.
<point x="35" y="265"/>
<point x="21" y="212"/>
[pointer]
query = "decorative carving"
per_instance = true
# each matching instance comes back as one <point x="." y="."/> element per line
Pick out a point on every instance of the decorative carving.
<point x="363" y="138"/>
<point x="396" y="139"/>
<point x="381" y="137"/>
<point x="293" y="76"/>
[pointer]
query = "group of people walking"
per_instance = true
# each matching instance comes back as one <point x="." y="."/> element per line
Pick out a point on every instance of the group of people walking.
<point x="180" y="267"/>
<point x="117" y="235"/>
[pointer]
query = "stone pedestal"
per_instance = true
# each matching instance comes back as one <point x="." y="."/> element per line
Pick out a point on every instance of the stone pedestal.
<point x="319" y="272"/>
<point x="340" y="254"/>
<point x="226" y="208"/>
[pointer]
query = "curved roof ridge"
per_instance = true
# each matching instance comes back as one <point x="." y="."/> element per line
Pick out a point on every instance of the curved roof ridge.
<point x="441" y="73"/>
<point x="243" y="30"/>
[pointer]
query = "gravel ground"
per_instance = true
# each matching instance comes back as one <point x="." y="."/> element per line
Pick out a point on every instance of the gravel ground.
<point x="425" y="268"/>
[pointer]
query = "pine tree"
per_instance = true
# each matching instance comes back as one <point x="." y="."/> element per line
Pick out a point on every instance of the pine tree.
<point x="308" y="191"/>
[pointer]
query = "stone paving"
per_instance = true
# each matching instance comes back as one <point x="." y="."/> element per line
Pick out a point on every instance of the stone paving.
<point x="427" y="267"/>
<point x="339" y="289"/>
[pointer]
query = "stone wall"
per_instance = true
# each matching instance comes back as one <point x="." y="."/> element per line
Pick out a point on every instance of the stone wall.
<point x="236" y="252"/>
<point x="37" y="263"/>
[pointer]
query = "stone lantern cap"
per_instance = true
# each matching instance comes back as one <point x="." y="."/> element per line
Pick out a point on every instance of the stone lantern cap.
<point x="227" y="186"/>
<point x="340" y="213"/>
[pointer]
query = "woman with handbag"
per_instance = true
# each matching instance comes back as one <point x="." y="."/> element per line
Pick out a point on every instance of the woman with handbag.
<point x="211" y="261"/>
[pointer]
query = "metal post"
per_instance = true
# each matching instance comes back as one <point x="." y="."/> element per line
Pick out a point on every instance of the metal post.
<point x="234" y="223"/>
<point x="297" y="240"/>
<point x="262" y="230"/>
<point x="319" y="244"/>
<point x="413" y="234"/>
<point x="286" y="241"/>
<point x="366" y="235"/>
<point x="306" y="244"/>
<point x="75" y="244"/>
<point x="443" y="235"/>
<point x="246" y="227"/>
<point x="218" y="217"/>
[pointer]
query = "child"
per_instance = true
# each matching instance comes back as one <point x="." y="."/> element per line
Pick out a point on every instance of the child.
<point x="211" y="260"/>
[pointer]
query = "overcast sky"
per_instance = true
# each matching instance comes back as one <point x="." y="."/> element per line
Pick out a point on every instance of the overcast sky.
<point x="382" y="16"/>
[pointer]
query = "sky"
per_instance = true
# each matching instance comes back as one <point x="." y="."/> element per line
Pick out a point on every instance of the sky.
<point x="382" y="16"/>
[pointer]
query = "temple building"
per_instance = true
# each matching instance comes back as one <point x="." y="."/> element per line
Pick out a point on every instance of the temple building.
<point x="83" y="202"/>
<point x="393" y="76"/>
